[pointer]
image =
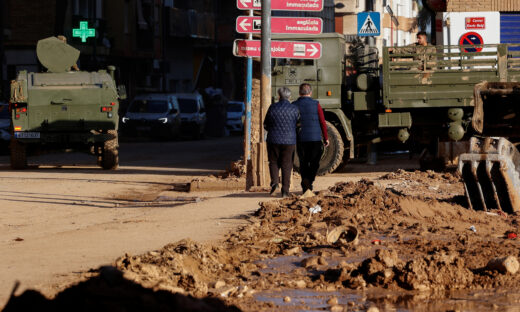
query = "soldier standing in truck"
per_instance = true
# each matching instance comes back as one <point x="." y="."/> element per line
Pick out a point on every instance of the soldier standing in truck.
<point x="422" y="51"/>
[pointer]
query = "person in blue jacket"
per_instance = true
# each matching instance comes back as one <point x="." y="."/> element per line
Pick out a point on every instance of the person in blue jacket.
<point x="280" y="122"/>
<point x="312" y="136"/>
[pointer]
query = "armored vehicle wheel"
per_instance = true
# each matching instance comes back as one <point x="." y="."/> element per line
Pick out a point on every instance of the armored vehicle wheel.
<point x="332" y="155"/>
<point x="110" y="155"/>
<point x="18" y="154"/>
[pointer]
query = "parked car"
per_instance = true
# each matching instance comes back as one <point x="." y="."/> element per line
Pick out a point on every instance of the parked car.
<point x="155" y="114"/>
<point x="193" y="114"/>
<point x="235" y="116"/>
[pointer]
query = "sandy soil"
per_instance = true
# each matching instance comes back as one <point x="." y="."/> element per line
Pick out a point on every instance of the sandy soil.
<point x="64" y="216"/>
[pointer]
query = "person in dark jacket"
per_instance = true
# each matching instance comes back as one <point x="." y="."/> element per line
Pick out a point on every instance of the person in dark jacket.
<point x="312" y="136"/>
<point x="280" y="122"/>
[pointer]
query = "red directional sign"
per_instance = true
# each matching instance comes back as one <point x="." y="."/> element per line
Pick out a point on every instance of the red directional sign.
<point x="281" y="25"/>
<point x="279" y="49"/>
<point x="282" y="5"/>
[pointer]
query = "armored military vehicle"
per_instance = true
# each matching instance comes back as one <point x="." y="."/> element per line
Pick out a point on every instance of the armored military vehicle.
<point x="63" y="109"/>
<point x="436" y="96"/>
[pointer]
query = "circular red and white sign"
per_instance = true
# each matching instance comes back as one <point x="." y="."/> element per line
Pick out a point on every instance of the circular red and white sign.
<point x="471" y="38"/>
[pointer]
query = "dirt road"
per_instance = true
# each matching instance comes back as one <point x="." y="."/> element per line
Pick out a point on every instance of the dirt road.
<point x="60" y="221"/>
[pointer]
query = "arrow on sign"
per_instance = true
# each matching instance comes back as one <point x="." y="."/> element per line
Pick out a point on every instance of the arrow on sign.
<point x="244" y="24"/>
<point x="245" y="2"/>
<point x="313" y="50"/>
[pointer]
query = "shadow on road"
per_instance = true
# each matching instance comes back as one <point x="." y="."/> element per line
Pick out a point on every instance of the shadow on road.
<point x="110" y="291"/>
<point x="193" y="158"/>
<point x="202" y="171"/>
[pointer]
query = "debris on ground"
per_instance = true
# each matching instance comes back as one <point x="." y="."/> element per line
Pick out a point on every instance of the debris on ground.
<point x="366" y="236"/>
<point x="236" y="169"/>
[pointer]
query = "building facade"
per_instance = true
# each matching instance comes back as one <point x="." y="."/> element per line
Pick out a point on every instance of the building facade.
<point x="157" y="45"/>
<point x="483" y="6"/>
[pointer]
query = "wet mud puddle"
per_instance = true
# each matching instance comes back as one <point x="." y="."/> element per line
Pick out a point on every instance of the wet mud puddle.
<point x="308" y="301"/>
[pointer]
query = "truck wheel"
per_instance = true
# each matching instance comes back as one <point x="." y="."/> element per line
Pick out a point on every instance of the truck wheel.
<point x="332" y="155"/>
<point x="18" y="155"/>
<point x="110" y="156"/>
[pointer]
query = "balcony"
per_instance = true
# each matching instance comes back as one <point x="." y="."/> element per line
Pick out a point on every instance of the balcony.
<point x="191" y="24"/>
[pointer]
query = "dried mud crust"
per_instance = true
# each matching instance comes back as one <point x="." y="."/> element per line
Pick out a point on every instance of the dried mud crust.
<point x="406" y="242"/>
<point x="435" y="185"/>
<point x="422" y="244"/>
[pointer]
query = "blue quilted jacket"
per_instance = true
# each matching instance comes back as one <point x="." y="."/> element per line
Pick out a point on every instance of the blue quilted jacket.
<point x="280" y="123"/>
<point x="310" y="121"/>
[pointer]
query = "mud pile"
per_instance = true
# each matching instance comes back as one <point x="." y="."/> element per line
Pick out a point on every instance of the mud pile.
<point x="407" y="237"/>
<point x="404" y="242"/>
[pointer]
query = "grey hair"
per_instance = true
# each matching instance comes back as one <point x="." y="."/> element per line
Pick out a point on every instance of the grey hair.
<point x="284" y="93"/>
<point x="305" y="89"/>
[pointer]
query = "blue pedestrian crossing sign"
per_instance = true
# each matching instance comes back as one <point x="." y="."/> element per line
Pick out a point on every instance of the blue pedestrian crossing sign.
<point x="368" y="24"/>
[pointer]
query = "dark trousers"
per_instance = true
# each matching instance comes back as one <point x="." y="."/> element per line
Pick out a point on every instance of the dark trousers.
<point x="281" y="156"/>
<point x="309" y="154"/>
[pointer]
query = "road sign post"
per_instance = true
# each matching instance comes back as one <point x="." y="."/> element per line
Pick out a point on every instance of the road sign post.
<point x="282" y="5"/>
<point x="247" y="126"/>
<point x="265" y="91"/>
<point x="281" y="25"/>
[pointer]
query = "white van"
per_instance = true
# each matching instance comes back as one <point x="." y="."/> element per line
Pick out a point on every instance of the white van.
<point x="193" y="114"/>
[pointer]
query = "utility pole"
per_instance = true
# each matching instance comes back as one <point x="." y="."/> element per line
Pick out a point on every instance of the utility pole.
<point x="265" y="90"/>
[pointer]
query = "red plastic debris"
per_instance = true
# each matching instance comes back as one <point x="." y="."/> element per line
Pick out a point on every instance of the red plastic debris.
<point x="376" y="242"/>
<point x="511" y="235"/>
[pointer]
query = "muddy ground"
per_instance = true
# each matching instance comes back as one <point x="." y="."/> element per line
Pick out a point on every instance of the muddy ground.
<point x="405" y="241"/>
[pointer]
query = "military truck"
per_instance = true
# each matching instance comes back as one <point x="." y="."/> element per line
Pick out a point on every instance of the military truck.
<point x="423" y="97"/>
<point x="63" y="109"/>
<point x="436" y="96"/>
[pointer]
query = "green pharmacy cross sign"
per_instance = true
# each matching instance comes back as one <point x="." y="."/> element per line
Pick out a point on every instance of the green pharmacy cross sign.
<point x="83" y="32"/>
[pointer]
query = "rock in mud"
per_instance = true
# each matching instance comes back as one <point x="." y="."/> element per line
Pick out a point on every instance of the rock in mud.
<point x="322" y="261"/>
<point x="337" y="308"/>
<point x="332" y="301"/>
<point x="218" y="284"/>
<point x="310" y="262"/>
<point x="387" y="257"/>
<point x="286" y="299"/>
<point x="504" y="265"/>
<point x="300" y="284"/>
<point x="226" y="291"/>
<point x="292" y="251"/>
